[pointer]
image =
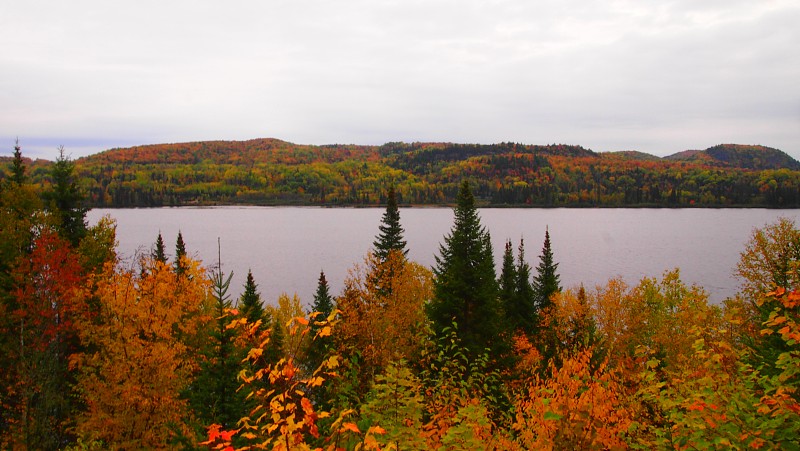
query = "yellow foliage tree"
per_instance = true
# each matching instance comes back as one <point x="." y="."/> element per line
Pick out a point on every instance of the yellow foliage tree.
<point x="137" y="359"/>
<point x="656" y="315"/>
<point x="382" y="310"/>
<point x="283" y="317"/>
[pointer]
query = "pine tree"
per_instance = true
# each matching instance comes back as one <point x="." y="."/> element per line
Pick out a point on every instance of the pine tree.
<point x="66" y="200"/>
<point x="546" y="282"/>
<point x="465" y="288"/>
<point x="180" y="254"/>
<point x="18" y="166"/>
<point x="391" y="232"/>
<point x="159" y="254"/>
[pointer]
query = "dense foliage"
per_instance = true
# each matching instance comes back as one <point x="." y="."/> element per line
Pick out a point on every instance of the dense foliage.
<point x="98" y="353"/>
<point x="272" y="172"/>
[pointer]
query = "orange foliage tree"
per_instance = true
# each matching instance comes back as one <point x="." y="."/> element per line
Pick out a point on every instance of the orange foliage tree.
<point x="139" y="355"/>
<point x="575" y="407"/>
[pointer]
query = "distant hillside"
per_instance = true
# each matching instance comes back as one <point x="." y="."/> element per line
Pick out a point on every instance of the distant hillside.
<point x="275" y="172"/>
<point x="266" y="150"/>
<point x="633" y="155"/>
<point x="739" y="156"/>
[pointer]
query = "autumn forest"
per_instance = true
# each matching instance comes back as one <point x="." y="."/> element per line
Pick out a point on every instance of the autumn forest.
<point x="98" y="352"/>
<point x="274" y="172"/>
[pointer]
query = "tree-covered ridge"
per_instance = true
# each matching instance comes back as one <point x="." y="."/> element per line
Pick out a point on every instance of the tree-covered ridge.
<point x="273" y="172"/>
<point x="740" y="156"/>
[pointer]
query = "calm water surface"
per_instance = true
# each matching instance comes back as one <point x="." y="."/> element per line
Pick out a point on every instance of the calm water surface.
<point x="286" y="247"/>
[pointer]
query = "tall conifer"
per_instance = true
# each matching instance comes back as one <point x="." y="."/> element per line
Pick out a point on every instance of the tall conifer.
<point x="65" y="199"/>
<point x="214" y="396"/>
<point x="250" y="301"/>
<point x="252" y="308"/>
<point x="524" y="306"/>
<point x="159" y="253"/>
<point x="546" y="282"/>
<point x="465" y="287"/>
<point x="323" y="303"/>
<point x="18" y="166"/>
<point x="508" y="281"/>
<point x="390" y="237"/>
<point x="180" y="253"/>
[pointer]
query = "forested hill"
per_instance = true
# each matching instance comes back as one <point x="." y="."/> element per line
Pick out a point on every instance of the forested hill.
<point x="275" y="172"/>
<point x="739" y="156"/>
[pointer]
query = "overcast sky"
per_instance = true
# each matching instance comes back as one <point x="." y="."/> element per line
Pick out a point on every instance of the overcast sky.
<point x="656" y="76"/>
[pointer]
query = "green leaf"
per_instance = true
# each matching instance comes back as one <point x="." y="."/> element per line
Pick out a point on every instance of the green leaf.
<point x="552" y="416"/>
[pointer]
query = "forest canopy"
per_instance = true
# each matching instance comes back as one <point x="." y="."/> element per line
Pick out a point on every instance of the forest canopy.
<point x="274" y="172"/>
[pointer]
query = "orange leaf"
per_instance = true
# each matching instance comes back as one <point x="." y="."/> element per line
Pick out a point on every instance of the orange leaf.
<point x="350" y="427"/>
<point x="307" y="407"/>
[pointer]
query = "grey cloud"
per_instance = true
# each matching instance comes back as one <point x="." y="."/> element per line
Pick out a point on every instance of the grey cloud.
<point x="657" y="76"/>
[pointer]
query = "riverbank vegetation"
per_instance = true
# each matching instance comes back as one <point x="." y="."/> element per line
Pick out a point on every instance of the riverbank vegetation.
<point x="273" y="172"/>
<point x="156" y="355"/>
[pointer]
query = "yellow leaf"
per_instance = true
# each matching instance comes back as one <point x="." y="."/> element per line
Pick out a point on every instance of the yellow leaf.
<point x="324" y="332"/>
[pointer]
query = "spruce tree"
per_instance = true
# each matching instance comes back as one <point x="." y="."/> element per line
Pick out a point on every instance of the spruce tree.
<point x="251" y="307"/>
<point x="391" y="232"/>
<point x="319" y="347"/>
<point x="465" y="287"/>
<point x="250" y="301"/>
<point x="65" y="199"/>
<point x="323" y="301"/>
<point x="546" y="282"/>
<point x="524" y="306"/>
<point x="18" y="166"/>
<point x="159" y="254"/>
<point x="508" y="283"/>
<point x="180" y="253"/>
<point x="214" y="396"/>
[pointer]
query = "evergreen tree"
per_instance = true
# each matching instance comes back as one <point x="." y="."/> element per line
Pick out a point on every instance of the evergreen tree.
<point x="546" y="282"/>
<point x="65" y="199"/>
<point x="251" y="307"/>
<point x="319" y="348"/>
<point x="159" y="254"/>
<point x="465" y="287"/>
<point x="323" y="301"/>
<point x="522" y="311"/>
<point x="214" y="396"/>
<point x="250" y="301"/>
<point x="18" y="166"/>
<point x="391" y="232"/>
<point x="180" y="253"/>
<point x="508" y="284"/>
